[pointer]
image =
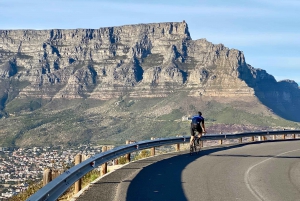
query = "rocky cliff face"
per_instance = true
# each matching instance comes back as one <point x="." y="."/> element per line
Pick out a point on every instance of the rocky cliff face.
<point x="144" y="60"/>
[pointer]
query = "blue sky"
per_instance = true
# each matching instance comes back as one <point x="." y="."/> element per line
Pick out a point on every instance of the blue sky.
<point x="267" y="31"/>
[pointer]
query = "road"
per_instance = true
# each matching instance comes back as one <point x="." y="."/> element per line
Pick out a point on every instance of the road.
<point x="253" y="171"/>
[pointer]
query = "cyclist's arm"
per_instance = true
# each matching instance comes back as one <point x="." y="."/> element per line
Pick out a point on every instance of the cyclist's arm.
<point x="203" y="126"/>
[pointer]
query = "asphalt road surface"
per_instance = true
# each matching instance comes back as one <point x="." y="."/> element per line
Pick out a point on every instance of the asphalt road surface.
<point x="254" y="171"/>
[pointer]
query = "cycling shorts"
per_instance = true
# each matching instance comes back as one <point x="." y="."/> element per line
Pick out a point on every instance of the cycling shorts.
<point x="195" y="128"/>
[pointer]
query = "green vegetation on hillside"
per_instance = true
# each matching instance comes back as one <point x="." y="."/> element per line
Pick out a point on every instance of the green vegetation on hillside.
<point x="74" y="122"/>
<point x="230" y="115"/>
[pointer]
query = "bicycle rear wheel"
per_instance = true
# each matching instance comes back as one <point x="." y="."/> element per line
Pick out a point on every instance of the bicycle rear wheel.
<point x="198" y="148"/>
<point x="193" y="149"/>
<point x="198" y="145"/>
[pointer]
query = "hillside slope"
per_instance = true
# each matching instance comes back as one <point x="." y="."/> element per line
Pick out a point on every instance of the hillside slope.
<point x="133" y="82"/>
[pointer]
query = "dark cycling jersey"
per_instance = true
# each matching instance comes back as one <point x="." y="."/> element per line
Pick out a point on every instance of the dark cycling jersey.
<point x="195" y="124"/>
<point x="197" y="119"/>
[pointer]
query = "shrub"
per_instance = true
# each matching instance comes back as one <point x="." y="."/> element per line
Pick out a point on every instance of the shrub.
<point x="143" y="154"/>
<point x="122" y="160"/>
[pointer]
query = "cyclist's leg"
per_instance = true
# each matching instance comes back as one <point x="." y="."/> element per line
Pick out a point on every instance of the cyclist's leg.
<point x="193" y="148"/>
<point x="200" y="131"/>
<point x="200" y="134"/>
<point x="192" y="134"/>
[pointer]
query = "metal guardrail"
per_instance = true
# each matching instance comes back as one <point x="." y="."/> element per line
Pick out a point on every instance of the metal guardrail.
<point x="54" y="189"/>
<point x="248" y="134"/>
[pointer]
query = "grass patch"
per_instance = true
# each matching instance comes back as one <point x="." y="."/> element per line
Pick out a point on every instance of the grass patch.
<point x="189" y="64"/>
<point x="152" y="60"/>
<point x="19" y="105"/>
<point x="174" y="115"/>
<point x="229" y="115"/>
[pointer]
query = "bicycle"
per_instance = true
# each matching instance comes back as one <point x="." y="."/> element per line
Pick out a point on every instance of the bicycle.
<point x="195" y="147"/>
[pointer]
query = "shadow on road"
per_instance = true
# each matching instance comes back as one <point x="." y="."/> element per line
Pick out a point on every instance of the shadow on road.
<point x="156" y="178"/>
<point x="162" y="179"/>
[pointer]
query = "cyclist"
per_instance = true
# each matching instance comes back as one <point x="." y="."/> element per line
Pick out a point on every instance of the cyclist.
<point x="197" y="125"/>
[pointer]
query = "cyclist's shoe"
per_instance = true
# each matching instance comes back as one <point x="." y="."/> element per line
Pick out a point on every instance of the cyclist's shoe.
<point x="198" y="141"/>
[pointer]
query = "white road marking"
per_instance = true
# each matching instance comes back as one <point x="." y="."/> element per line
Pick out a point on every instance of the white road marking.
<point x="247" y="181"/>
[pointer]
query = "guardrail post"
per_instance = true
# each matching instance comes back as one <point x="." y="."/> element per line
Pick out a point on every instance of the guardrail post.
<point x="127" y="155"/>
<point x="47" y="176"/>
<point x="274" y="137"/>
<point x="78" y="159"/>
<point x="177" y="147"/>
<point x="294" y="136"/>
<point x="240" y="140"/>
<point x="265" y="138"/>
<point x="220" y="142"/>
<point x="56" y="173"/>
<point x="104" y="165"/>
<point x="283" y="136"/>
<point x="153" y="151"/>
<point x="152" y="148"/>
<point x="252" y="138"/>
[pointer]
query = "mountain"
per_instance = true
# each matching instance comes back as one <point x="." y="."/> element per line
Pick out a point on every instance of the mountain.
<point x="112" y="84"/>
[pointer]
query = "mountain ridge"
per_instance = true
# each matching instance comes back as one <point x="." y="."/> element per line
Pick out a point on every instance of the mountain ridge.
<point x="122" y="66"/>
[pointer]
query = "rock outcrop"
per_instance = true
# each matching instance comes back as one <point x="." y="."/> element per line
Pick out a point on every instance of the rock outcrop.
<point x="144" y="60"/>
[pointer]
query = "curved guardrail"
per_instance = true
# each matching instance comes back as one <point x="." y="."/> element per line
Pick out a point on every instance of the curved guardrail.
<point x="54" y="189"/>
